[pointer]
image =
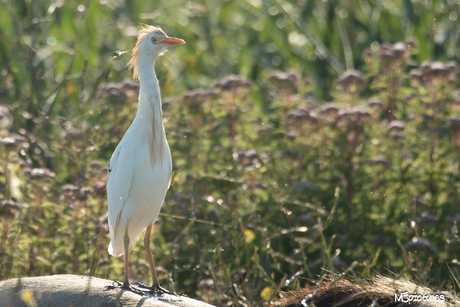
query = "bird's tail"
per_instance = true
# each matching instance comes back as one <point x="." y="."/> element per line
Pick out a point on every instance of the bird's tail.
<point x="116" y="246"/>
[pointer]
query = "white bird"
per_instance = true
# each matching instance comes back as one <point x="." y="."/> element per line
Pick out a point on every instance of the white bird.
<point x="140" y="168"/>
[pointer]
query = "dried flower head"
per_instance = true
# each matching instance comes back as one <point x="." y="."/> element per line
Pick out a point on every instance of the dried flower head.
<point x="100" y="187"/>
<point x="437" y="71"/>
<point x="131" y="88"/>
<point x="39" y="173"/>
<point x="361" y="113"/>
<point x="250" y="158"/>
<point x="194" y="99"/>
<point x="265" y="131"/>
<point x="415" y="76"/>
<point x="367" y="54"/>
<point x="8" y="142"/>
<point x="376" y="103"/>
<point x="300" y="115"/>
<point x="114" y="93"/>
<point x="286" y="80"/>
<point x="351" y="81"/>
<point x="231" y="83"/>
<point x="386" y="52"/>
<point x="452" y="68"/>
<point x="6" y="119"/>
<point x="398" y="136"/>
<point x="84" y="193"/>
<point x="95" y="165"/>
<point x="130" y="85"/>
<point x="411" y="43"/>
<point x="70" y="188"/>
<point x="434" y="69"/>
<point x="4" y="111"/>
<point x="396" y="125"/>
<point x="291" y="135"/>
<point x="10" y="207"/>
<point x="397" y="52"/>
<point x="357" y="116"/>
<point x="330" y="110"/>
<point x="400" y="50"/>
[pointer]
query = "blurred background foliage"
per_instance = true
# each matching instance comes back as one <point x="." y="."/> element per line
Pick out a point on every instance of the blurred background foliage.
<point x="304" y="134"/>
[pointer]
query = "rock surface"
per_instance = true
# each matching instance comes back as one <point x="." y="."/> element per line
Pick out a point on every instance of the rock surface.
<point x="84" y="291"/>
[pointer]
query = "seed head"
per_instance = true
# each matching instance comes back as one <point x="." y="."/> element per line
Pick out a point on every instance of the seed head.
<point x="396" y="125"/>
<point x="330" y="109"/>
<point x="291" y="135"/>
<point x="6" y="119"/>
<point x="415" y="76"/>
<point x="367" y="54"/>
<point x="114" y="93"/>
<point x="84" y="193"/>
<point x="286" y="80"/>
<point x="376" y="103"/>
<point x="411" y="43"/>
<point x="10" y="207"/>
<point x="194" y="99"/>
<point x="351" y="81"/>
<point x="39" y="173"/>
<point x="231" y="83"/>
<point x="8" y="142"/>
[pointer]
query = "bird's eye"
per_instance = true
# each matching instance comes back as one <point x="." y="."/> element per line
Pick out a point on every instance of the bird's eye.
<point x="154" y="40"/>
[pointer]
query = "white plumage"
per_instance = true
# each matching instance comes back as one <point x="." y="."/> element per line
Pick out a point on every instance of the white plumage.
<point x="140" y="168"/>
<point x="136" y="187"/>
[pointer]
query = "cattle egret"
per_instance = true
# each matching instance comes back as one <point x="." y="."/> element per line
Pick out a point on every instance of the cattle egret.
<point x="140" y="168"/>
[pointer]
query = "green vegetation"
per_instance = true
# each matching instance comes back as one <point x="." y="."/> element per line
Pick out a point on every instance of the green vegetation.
<point x="271" y="181"/>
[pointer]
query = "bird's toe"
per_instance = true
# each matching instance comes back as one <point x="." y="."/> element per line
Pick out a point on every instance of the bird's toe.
<point x="156" y="290"/>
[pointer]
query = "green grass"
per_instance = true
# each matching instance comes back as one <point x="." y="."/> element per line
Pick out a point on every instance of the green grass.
<point x="249" y="162"/>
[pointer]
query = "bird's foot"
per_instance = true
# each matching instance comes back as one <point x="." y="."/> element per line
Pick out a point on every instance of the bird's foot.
<point x="156" y="290"/>
<point x="116" y="284"/>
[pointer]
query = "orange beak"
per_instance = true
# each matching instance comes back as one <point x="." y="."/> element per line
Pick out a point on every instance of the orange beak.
<point x="173" y="41"/>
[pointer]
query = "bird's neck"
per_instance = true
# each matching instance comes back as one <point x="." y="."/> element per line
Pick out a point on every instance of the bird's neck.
<point x="149" y="114"/>
<point x="149" y="95"/>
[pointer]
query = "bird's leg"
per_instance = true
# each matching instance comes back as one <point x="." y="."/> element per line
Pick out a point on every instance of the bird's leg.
<point x="155" y="288"/>
<point x="126" y="268"/>
<point x="153" y="271"/>
<point x="126" y="284"/>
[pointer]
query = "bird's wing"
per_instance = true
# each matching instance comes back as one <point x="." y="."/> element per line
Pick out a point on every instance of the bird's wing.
<point x="119" y="182"/>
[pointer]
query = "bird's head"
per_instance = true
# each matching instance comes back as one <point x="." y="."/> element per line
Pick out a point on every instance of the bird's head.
<point x="151" y="43"/>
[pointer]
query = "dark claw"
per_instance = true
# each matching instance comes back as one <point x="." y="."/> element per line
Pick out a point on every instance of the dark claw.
<point x="157" y="290"/>
<point x="117" y="284"/>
